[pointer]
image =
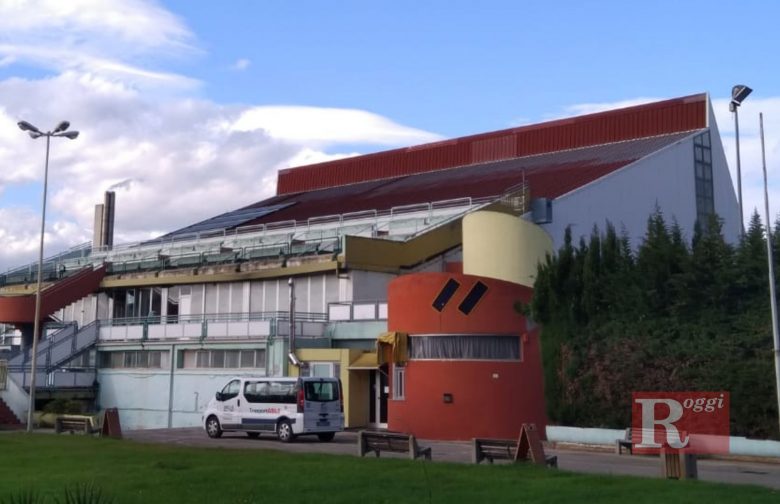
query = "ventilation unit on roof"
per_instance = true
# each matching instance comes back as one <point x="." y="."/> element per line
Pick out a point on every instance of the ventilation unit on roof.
<point x="541" y="210"/>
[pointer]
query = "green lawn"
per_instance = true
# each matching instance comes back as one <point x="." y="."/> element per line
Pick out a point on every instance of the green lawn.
<point x="132" y="472"/>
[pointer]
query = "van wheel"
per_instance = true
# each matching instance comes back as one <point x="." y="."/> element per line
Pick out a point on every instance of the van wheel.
<point x="213" y="428"/>
<point x="284" y="431"/>
<point x="253" y="435"/>
<point x="326" y="436"/>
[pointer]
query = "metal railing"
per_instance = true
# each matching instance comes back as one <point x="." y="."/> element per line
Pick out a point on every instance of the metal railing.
<point x="3" y="374"/>
<point x="315" y="235"/>
<point x="232" y="326"/>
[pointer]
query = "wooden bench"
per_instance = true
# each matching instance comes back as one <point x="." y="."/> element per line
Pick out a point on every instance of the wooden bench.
<point x="528" y="445"/>
<point x="398" y="442"/>
<point x="624" y="443"/>
<point x="628" y="441"/>
<point x="74" y="423"/>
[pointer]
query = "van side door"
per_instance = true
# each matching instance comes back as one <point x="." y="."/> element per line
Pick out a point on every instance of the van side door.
<point x="228" y="407"/>
<point x="256" y="410"/>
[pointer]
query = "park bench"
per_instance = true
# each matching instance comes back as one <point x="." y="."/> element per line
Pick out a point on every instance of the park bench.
<point x="527" y="445"/>
<point x="397" y="442"/>
<point x="74" y="423"/>
<point x="628" y="441"/>
<point x="624" y="443"/>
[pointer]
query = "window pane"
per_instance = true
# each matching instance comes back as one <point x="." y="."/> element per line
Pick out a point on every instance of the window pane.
<point x="202" y="360"/>
<point x="232" y="358"/>
<point x="465" y="347"/>
<point x="217" y="358"/>
<point x="247" y="358"/>
<point x="321" y="391"/>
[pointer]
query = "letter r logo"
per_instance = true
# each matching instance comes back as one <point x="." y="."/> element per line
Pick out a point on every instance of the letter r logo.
<point x="649" y="423"/>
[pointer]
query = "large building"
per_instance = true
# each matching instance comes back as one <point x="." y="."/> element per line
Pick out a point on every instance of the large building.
<point x="398" y="272"/>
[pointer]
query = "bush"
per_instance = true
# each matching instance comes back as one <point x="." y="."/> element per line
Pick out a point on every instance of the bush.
<point x="63" y="406"/>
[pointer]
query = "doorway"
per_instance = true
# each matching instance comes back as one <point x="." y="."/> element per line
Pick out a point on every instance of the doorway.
<point x="379" y="390"/>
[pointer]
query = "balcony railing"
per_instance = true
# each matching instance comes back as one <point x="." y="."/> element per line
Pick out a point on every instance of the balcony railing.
<point x="357" y="310"/>
<point x="232" y="326"/>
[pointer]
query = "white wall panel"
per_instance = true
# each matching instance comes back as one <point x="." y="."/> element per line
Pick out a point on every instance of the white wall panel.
<point x="629" y="196"/>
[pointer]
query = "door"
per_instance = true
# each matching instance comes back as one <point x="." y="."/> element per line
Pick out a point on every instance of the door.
<point x="379" y="390"/>
<point x="322" y="406"/>
<point x="229" y="406"/>
<point x="264" y="402"/>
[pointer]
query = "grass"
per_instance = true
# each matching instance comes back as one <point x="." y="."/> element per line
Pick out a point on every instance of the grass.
<point x="130" y="472"/>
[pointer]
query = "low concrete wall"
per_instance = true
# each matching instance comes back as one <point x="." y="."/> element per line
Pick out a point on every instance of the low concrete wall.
<point x="740" y="446"/>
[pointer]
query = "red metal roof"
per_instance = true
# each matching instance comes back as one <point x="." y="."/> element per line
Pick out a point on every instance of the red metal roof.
<point x="653" y="119"/>
<point x="547" y="175"/>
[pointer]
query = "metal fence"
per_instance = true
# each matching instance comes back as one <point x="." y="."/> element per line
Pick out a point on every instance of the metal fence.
<point x="3" y="374"/>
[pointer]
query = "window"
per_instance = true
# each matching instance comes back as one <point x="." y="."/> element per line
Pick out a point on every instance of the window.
<point x="399" y="385"/>
<point x="270" y="392"/>
<point x="231" y="390"/>
<point x="134" y="359"/>
<point x="322" y="369"/>
<point x="223" y="359"/>
<point x="321" y="391"/>
<point x="702" y="161"/>
<point x="464" y="347"/>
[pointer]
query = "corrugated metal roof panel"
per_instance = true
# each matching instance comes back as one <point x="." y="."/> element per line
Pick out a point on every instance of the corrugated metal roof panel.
<point x="660" y="118"/>
<point x="548" y="175"/>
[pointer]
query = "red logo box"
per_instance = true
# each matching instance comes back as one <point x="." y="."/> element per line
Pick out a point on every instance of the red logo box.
<point x="692" y="422"/>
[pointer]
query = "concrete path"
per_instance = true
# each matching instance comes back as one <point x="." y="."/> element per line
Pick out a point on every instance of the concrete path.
<point x="345" y="443"/>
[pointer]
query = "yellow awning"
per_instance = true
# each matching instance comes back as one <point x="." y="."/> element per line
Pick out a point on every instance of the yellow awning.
<point x="397" y="341"/>
<point x="366" y="361"/>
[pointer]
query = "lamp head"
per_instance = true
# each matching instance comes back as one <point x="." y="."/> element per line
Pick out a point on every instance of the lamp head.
<point x="25" y="126"/>
<point x="739" y="93"/>
<point x="69" y="134"/>
<point x="62" y="126"/>
<point x="35" y="134"/>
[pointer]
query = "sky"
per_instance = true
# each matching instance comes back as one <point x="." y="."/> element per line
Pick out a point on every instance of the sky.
<point x="188" y="108"/>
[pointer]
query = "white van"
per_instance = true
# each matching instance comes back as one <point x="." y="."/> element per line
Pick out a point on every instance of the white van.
<point x="287" y="407"/>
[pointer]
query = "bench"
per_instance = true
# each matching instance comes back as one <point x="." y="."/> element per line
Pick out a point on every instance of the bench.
<point x="501" y="449"/>
<point x="628" y="441"/>
<point x="528" y="445"/>
<point x="624" y="443"/>
<point x="74" y="423"/>
<point x="397" y="442"/>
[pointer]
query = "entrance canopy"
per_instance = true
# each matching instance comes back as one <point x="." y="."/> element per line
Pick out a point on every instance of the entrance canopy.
<point x="367" y="361"/>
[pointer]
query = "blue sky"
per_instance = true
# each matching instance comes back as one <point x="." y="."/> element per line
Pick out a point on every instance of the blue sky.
<point x="190" y="107"/>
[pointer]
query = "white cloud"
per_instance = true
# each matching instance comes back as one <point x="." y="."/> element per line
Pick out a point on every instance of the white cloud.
<point x="109" y="38"/>
<point x="172" y="159"/>
<point x="592" y="108"/>
<point x="241" y="64"/>
<point x="750" y="150"/>
<point x="317" y="127"/>
<point x="171" y="162"/>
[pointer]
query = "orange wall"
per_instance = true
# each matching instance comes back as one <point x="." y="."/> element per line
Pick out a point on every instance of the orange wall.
<point x="490" y="398"/>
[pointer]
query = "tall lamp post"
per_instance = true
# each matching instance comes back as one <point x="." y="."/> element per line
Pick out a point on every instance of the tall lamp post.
<point x="770" y="259"/>
<point x="738" y="95"/>
<point x="59" y="131"/>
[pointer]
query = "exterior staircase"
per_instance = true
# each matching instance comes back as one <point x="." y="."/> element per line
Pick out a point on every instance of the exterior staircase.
<point x="7" y="418"/>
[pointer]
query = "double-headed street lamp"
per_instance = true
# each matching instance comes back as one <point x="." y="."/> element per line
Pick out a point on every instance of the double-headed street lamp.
<point x="738" y="95"/>
<point x="59" y="131"/>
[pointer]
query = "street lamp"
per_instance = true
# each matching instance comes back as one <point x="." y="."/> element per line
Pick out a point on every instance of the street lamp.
<point x="59" y="131"/>
<point x="738" y="95"/>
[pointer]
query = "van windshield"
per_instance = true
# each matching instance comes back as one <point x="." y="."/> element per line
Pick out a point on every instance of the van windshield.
<point x="321" y="391"/>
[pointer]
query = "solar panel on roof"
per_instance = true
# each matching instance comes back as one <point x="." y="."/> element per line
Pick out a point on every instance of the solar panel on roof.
<point x="226" y="220"/>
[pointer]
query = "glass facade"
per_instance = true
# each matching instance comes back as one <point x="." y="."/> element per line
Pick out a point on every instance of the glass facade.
<point x="702" y="161"/>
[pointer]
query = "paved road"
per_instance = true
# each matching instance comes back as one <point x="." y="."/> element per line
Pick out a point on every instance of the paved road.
<point x="725" y="471"/>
